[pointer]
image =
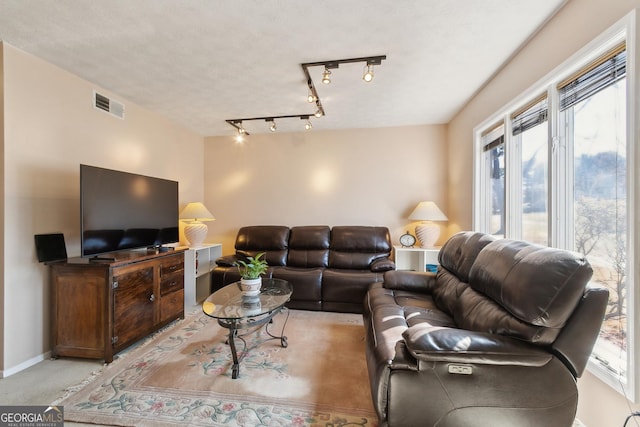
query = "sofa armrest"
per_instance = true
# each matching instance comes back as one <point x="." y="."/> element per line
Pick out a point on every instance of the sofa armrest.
<point x="382" y="264"/>
<point x="410" y="281"/>
<point x="227" y="261"/>
<point x="437" y="344"/>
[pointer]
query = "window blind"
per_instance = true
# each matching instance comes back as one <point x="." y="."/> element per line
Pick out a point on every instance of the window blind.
<point x="603" y="73"/>
<point x="531" y="115"/>
<point x="493" y="144"/>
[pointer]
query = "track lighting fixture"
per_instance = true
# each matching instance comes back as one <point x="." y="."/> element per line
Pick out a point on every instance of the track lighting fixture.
<point x="368" y="73"/>
<point x="307" y="124"/>
<point x="240" y="135"/>
<point x="312" y="96"/>
<point x="326" y="76"/>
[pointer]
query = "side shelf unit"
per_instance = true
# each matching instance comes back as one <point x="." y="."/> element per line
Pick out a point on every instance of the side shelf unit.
<point x="199" y="261"/>
<point x="415" y="259"/>
<point x="100" y="308"/>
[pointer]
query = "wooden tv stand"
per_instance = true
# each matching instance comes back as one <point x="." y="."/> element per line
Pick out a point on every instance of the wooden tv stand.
<point x="101" y="307"/>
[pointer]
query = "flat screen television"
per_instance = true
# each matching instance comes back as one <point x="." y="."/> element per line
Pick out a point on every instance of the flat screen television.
<point x="122" y="210"/>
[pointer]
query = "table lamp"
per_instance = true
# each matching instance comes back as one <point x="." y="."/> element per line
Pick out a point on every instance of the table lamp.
<point x="194" y="214"/>
<point x="427" y="231"/>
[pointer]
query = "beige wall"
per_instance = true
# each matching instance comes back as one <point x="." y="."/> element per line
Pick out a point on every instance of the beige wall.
<point x="578" y="23"/>
<point x="50" y="128"/>
<point x="347" y="177"/>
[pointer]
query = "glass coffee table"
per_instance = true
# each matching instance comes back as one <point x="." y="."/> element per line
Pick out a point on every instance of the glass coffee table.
<point x="237" y="312"/>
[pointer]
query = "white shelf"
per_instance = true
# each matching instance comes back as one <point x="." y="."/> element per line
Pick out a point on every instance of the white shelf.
<point x="198" y="263"/>
<point x="415" y="259"/>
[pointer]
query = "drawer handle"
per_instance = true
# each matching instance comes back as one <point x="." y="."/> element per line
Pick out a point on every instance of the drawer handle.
<point x="152" y="298"/>
<point x="173" y="283"/>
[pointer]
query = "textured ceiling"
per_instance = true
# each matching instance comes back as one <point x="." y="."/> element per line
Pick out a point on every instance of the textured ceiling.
<point x="201" y="62"/>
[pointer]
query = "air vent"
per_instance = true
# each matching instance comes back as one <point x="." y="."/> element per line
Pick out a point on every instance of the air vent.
<point x="110" y="106"/>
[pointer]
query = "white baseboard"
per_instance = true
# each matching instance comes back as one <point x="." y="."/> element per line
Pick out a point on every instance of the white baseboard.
<point x="24" y="365"/>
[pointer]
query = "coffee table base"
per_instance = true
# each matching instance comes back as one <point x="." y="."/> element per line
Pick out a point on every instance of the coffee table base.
<point x="252" y="325"/>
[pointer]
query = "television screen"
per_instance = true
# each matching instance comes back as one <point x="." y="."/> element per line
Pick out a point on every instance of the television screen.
<point x="121" y="210"/>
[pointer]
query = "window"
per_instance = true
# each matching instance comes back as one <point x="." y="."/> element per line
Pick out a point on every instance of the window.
<point x="559" y="168"/>
<point x="493" y="161"/>
<point x="593" y="116"/>
<point x="530" y="142"/>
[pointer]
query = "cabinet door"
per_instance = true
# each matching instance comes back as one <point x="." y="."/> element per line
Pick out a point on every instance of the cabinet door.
<point x="133" y="308"/>
<point x="79" y="314"/>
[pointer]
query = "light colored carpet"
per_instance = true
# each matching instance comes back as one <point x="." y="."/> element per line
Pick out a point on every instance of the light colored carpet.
<point x="183" y="376"/>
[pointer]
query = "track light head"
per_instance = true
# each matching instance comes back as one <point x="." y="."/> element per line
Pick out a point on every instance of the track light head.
<point x="318" y="113"/>
<point x="272" y="126"/>
<point x="240" y="135"/>
<point x="311" y="98"/>
<point x="326" y="76"/>
<point x="368" y="73"/>
<point x="307" y="124"/>
<point x="241" y="132"/>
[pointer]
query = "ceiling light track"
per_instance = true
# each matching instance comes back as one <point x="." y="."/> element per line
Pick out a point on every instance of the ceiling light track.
<point x="312" y="96"/>
<point x="237" y="123"/>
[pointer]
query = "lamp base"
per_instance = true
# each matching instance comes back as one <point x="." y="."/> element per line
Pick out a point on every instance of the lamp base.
<point x="428" y="234"/>
<point x="195" y="232"/>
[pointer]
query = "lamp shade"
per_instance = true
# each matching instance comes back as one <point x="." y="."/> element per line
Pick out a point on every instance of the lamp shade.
<point x="427" y="232"/>
<point x="196" y="231"/>
<point x="427" y="211"/>
<point x="196" y="211"/>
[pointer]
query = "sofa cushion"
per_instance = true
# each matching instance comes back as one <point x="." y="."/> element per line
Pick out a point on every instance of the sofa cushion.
<point x="477" y="312"/>
<point x="507" y="269"/>
<point x="349" y="286"/>
<point x="309" y="246"/>
<point x="356" y="247"/>
<point x="306" y="282"/>
<point x="272" y="239"/>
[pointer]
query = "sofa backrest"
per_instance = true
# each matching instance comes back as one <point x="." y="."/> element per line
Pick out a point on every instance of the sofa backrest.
<point x="456" y="257"/>
<point x="272" y="239"/>
<point x="355" y="247"/>
<point x="510" y="287"/>
<point x="309" y="246"/>
<point x="534" y="287"/>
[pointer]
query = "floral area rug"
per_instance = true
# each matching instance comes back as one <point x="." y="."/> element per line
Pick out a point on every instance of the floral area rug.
<point x="183" y="377"/>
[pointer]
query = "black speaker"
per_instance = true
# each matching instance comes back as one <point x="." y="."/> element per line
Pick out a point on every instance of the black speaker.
<point x="51" y="247"/>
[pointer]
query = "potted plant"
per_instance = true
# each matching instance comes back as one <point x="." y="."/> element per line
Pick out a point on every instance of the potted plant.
<point x="250" y="272"/>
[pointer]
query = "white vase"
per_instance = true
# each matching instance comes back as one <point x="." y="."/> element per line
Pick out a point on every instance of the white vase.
<point x="250" y="287"/>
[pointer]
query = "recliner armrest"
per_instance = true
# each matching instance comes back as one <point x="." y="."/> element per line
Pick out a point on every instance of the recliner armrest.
<point x="410" y="281"/>
<point x="227" y="261"/>
<point x="437" y="344"/>
<point x="379" y="265"/>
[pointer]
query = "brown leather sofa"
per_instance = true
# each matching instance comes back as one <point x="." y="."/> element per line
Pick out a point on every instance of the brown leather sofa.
<point x="330" y="268"/>
<point x="496" y="338"/>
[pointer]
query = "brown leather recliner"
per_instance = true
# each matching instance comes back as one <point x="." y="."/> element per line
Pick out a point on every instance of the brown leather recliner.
<point x="496" y="338"/>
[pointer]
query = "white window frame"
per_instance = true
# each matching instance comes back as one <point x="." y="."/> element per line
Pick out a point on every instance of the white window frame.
<point x="623" y="30"/>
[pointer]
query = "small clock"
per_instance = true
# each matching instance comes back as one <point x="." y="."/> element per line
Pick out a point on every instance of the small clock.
<point x="407" y="240"/>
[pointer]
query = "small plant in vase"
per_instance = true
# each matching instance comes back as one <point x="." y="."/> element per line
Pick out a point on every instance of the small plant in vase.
<point x="250" y="272"/>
